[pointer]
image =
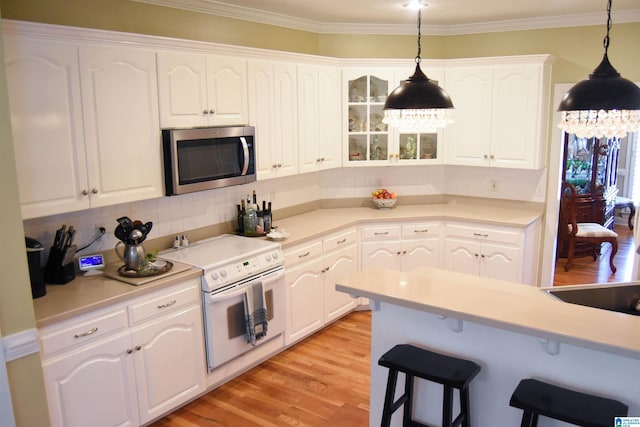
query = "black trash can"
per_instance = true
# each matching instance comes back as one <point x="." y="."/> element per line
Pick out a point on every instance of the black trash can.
<point x="34" y="252"/>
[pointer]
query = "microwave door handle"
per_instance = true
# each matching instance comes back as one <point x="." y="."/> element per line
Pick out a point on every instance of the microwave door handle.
<point x="245" y="151"/>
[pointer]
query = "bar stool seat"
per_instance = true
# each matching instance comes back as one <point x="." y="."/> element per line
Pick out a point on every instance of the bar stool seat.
<point x="581" y="409"/>
<point x="451" y="372"/>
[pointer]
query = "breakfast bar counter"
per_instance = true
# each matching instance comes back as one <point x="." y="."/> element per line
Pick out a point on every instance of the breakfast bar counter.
<point x="512" y="330"/>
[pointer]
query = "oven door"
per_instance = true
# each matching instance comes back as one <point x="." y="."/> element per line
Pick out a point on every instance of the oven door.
<point x="225" y="324"/>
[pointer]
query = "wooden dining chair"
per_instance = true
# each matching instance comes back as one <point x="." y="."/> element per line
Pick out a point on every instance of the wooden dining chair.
<point x="571" y="231"/>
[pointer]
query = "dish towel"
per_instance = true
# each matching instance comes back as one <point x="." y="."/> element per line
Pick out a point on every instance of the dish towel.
<point x="255" y="313"/>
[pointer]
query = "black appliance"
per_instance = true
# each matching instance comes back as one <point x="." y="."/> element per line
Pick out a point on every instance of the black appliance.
<point x="34" y="254"/>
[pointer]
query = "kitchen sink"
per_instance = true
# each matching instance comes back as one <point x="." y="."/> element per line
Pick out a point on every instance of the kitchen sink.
<point x="621" y="297"/>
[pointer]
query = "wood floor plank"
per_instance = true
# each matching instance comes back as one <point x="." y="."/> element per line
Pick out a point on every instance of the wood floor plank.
<point x="321" y="381"/>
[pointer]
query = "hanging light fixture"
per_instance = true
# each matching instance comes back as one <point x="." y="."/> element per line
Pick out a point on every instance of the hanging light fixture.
<point x="605" y="105"/>
<point x="418" y="104"/>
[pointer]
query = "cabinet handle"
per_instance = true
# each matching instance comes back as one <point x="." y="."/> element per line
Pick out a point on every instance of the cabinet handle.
<point x="486" y="157"/>
<point x="86" y="333"/>
<point x="129" y="350"/>
<point x="306" y="254"/>
<point x="279" y="165"/>
<point x="273" y="166"/>
<point x="169" y="304"/>
<point x="426" y="230"/>
<point x="404" y="252"/>
<point x="380" y="233"/>
<point x="85" y="193"/>
<point x="212" y="111"/>
<point x="339" y="242"/>
<point x="138" y="348"/>
<point x="94" y="190"/>
<point x="476" y="255"/>
<point x="205" y="112"/>
<point x="491" y="156"/>
<point x="398" y="253"/>
<point x="322" y="159"/>
<point x="482" y="255"/>
<point x="480" y="235"/>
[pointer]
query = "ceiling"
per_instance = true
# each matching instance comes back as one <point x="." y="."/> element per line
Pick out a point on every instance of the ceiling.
<point x="443" y="17"/>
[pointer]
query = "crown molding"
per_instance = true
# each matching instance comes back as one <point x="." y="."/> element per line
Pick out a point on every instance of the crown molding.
<point x="264" y="17"/>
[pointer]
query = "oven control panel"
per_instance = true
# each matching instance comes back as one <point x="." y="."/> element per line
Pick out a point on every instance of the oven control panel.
<point x="239" y="270"/>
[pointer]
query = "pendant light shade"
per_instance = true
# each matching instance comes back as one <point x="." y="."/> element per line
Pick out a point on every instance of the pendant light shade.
<point x="605" y="105"/>
<point x="418" y="104"/>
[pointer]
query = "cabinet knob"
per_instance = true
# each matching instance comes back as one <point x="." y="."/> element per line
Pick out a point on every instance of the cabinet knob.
<point x="486" y="157"/>
<point x="491" y="156"/>
<point x="279" y="165"/>
<point x="94" y="191"/>
<point x="85" y="193"/>
<point x="212" y="111"/>
<point x="205" y="112"/>
<point x="322" y="159"/>
<point x="138" y="348"/>
<point x="129" y="350"/>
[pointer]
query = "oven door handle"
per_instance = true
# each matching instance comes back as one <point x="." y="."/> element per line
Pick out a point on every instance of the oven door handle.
<point x="223" y="296"/>
<point x="245" y="152"/>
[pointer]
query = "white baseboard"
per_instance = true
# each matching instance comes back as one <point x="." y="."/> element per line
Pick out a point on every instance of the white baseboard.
<point x="21" y="344"/>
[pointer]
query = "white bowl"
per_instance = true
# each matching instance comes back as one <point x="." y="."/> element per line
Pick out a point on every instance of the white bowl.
<point x="277" y="235"/>
<point x="384" y="203"/>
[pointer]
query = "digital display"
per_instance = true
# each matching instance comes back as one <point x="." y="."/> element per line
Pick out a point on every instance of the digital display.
<point x="90" y="262"/>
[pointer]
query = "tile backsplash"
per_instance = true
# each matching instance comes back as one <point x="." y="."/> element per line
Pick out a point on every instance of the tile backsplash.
<point x="179" y="214"/>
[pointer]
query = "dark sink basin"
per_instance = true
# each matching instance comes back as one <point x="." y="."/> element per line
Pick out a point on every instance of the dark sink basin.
<point x="623" y="298"/>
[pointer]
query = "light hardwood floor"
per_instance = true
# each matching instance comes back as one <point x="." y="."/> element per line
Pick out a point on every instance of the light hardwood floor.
<point x="320" y="382"/>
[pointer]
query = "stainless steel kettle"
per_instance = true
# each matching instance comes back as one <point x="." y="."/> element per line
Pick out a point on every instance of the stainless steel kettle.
<point x="133" y="255"/>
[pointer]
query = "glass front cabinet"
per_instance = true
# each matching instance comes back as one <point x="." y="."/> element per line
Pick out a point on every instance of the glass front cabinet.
<point x="371" y="142"/>
<point x="590" y="165"/>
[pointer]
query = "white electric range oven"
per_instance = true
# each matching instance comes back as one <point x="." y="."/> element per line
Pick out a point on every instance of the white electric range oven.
<point x="234" y="267"/>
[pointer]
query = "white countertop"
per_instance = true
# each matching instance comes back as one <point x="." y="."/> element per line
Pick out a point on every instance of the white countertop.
<point x="500" y="304"/>
<point x="318" y="223"/>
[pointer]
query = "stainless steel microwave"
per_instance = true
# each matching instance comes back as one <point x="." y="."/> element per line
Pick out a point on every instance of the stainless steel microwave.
<point x="205" y="158"/>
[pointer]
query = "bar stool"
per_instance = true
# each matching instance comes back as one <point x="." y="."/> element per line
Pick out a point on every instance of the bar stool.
<point x="449" y="371"/>
<point x="581" y="409"/>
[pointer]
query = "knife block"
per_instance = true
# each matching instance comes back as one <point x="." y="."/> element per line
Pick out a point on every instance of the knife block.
<point x="57" y="273"/>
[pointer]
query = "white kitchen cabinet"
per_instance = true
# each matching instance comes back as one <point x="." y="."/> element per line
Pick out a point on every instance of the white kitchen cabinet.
<point x="319" y="109"/>
<point x="312" y="271"/>
<point x="489" y="251"/>
<point x="371" y="142"/>
<point x="273" y="110"/>
<point x="122" y="133"/>
<point x="500" y="114"/>
<point x="402" y="247"/>
<point x="201" y="90"/>
<point x="79" y="116"/>
<point x="126" y="365"/>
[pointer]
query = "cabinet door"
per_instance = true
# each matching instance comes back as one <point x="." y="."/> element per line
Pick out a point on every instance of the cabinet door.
<point x="273" y="112"/>
<point x="227" y="91"/>
<point x="500" y="262"/>
<point x="169" y="359"/>
<point x="46" y="119"/>
<point x="420" y="253"/>
<point x="461" y="255"/>
<point x="120" y="103"/>
<point x="516" y="140"/>
<point x="338" y="266"/>
<point x="467" y="139"/>
<point x="384" y="254"/>
<point x="308" y="115"/>
<point x="94" y="386"/>
<point x="306" y="294"/>
<point x="182" y="90"/>
<point x="329" y="113"/>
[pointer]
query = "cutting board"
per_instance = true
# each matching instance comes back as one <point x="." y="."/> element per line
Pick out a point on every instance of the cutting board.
<point x="111" y="270"/>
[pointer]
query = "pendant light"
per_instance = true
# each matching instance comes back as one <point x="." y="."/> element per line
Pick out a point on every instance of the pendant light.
<point x="418" y="104"/>
<point x="605" y="105"/>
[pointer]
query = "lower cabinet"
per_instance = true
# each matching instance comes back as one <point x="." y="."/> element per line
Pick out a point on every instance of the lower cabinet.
<point x="495" y="252"/>
<point x="312" y="271"/>
<point x="402" y="247"/>
<point x="127" y="365"/>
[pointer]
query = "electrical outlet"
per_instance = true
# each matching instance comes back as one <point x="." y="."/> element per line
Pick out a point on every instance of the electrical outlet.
<point x="493" y="185"/>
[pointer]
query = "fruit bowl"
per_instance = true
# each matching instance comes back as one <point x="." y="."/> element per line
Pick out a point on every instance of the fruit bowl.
<point x="384" y="203"/>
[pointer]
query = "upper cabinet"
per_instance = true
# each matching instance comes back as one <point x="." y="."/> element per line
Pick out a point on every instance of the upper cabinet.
<point x="369" y="142"/>
<point x="201" y="90"/>
<point x="78" y="116"/>
<point x="273" y="110"/>
<point x="500" y="113"/>
<point x="320" y="139"/>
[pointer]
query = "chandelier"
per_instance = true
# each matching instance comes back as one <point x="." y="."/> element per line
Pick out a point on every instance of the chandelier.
<point x="605" y="105"/>
<point x="418" y="104"/>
